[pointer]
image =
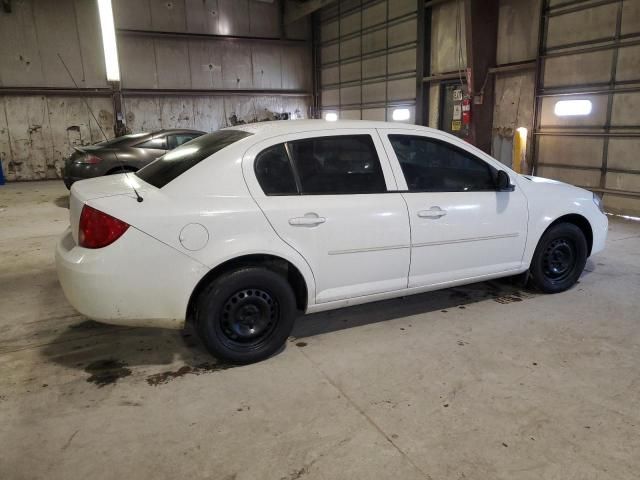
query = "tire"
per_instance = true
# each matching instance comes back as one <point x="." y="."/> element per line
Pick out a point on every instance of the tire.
<point x="559" y="258"/>
<point x="246" y="315"/>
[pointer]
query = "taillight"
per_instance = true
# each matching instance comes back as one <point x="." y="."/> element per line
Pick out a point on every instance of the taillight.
<point x="89" y="160"/>
<point x="97" y="229"/>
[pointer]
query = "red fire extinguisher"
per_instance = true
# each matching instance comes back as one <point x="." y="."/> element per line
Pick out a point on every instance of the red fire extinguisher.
<point x="466" y="111"/>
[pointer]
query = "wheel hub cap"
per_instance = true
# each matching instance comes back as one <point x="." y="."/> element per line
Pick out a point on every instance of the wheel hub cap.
<point x="559" y="259"/>
<point x="248" y="316"/>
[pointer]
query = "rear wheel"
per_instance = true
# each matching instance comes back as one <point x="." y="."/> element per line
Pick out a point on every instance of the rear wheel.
<point x="246" y="315"/>
<point x="559" y="258"/>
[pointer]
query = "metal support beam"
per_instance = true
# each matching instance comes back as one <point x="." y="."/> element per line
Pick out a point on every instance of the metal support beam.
<point x="481" y="20"/>
<point x="157" y="92"/>
<point x="119" y="126"/>
<point x="537" y="87"/>
<point x="315" y="60"/>
<point x="297" y="10"/>
<point x="51" y="91"/>
<point x="236" y="38"/>
<point x="423" y="63"/>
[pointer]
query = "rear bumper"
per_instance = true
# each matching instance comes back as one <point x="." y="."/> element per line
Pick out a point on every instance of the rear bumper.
<point x="69" y="180"/>
<point x="136" y="281"/>
<point x="72" y="172"/>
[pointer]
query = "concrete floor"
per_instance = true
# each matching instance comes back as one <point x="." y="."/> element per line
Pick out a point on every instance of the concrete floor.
<point x="482" y="382"/>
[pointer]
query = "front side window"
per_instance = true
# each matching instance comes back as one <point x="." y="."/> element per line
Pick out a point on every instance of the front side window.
<point x="344" y="164"/>
<point x="431" y="165"/>
<point x="274" y="172"/>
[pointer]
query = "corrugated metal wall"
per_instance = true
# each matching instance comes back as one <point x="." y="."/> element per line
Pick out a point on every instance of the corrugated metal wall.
<point x="152" y="60"/>
<point x="518" y="29"/>
<point x="368" y="58"/>
<point x="591" y="51"/>
<point x="179" y="68"/>
<point x="37" y="131"/>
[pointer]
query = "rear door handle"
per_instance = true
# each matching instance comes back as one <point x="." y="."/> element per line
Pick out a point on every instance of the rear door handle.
<point x="307" y="221"/>
<point x="433" y="212"/>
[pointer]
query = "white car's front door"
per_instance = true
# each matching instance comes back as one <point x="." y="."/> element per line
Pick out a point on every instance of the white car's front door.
<point x="462" y="227"/>
<point x="328" y="197"/>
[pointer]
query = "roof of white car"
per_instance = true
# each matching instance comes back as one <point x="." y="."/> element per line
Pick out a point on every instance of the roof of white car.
<point x="295" y="126"/>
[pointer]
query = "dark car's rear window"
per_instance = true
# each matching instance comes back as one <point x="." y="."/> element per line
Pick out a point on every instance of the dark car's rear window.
<point x="123" y="140"/>
<point x="170" y="166"/>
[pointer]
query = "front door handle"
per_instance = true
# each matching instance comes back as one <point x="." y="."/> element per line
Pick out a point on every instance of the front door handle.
<point x="309" y="220"/>
<point x="433" y="212"/>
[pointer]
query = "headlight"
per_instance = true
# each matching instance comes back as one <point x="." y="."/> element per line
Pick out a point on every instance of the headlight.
<point x="598" y="201"/>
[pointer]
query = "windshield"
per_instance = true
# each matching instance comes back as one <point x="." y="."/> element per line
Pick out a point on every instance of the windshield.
<point x="117" y="141"/>
<point x="170" y="166"/>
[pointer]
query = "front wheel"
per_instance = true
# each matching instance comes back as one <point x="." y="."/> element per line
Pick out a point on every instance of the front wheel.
<point x="246" y="315"/>
<point x="559" y="258"/>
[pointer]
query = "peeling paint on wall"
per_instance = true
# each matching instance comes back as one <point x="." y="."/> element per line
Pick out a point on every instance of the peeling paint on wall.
<point x="144" y="114"/>
<point x="37" y="133"/>
<point x="513" y="109"/>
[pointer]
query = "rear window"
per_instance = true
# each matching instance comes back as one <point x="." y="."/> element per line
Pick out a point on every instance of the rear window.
<point x="123" y="140"/>
<point x="170" y="166"/>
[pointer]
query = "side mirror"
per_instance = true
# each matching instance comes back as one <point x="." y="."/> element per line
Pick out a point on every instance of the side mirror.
<point x="504" y="182"/>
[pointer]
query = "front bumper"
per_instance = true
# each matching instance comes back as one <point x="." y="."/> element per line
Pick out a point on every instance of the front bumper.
<point x="600" y="226"/>
<point x="136" y="281"/>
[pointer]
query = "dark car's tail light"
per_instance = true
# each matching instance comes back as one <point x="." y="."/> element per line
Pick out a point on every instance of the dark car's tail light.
<point x="97" y="229"/>
<point x="89" y="160"/>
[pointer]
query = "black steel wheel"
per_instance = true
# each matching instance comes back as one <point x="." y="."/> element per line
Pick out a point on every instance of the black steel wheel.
<point x="559" y="258"/>
<point x="246" y="315"/>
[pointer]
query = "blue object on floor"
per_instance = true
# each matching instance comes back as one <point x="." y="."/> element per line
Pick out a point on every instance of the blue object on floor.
<point x="1" y="175"/>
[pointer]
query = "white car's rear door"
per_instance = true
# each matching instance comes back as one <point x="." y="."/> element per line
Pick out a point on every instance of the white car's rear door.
<point x="332" y="204"/>
<point x="461" y="226"/>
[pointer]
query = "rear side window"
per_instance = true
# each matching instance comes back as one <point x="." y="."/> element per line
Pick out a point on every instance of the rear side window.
<point x="158" y="143"/>
<point x="174" y="141"/>
<point x="274" y="171"/>
<point x="345" y="164"/>
<point x="170" y="166"/>
<point x="431" y="165"/>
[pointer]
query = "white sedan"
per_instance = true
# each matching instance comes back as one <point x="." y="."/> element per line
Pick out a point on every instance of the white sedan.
<point x="239" y="230"/>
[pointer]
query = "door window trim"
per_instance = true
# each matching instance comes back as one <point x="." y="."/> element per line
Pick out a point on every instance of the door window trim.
<point x="296" y="175"/>
<point x="396" y="167"/>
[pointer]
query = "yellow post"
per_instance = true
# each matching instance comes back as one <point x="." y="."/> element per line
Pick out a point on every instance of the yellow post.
<point x="519" y="163"/>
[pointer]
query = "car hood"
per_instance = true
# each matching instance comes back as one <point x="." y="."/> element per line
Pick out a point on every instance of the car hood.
<point x="542" y="180"/>
<point x="546" y="189"/>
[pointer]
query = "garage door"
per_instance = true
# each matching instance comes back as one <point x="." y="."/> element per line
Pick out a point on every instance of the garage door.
<point x="368" y="59"/>
<point x="588" y="99"/>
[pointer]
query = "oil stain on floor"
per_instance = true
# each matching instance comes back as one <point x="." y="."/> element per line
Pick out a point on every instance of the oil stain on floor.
<point x="166" y="377"/>
<point x="106" y="372"/>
